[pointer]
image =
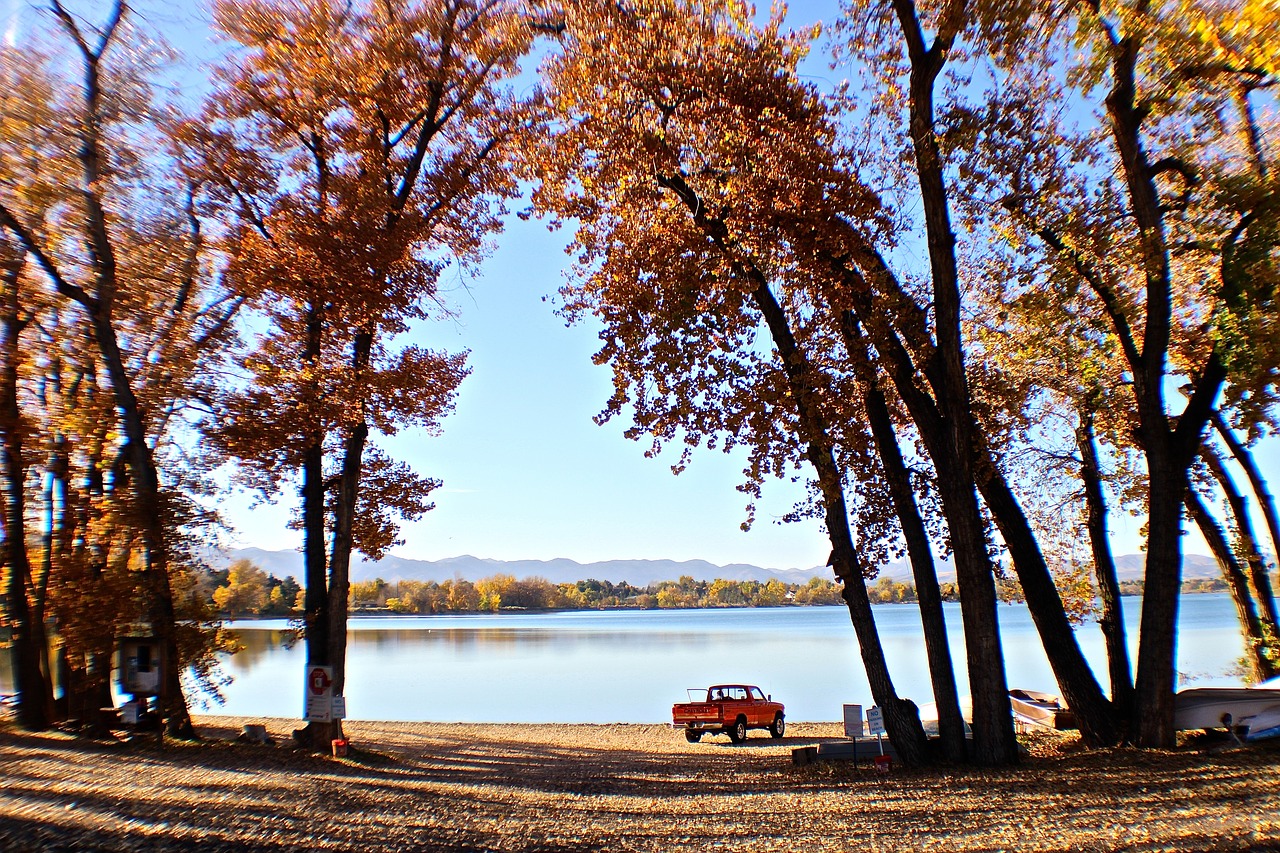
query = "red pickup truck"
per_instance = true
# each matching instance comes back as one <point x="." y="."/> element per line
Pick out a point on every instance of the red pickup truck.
<point x="729" y="709"/>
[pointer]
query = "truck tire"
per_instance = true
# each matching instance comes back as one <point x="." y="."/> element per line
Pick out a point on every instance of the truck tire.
<point x="693" y="735"/>
<point x="779" y="726"/>
<point x="738" y="733"/>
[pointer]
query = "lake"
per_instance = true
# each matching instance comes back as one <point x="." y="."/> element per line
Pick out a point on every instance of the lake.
<point x="629" y="666"/>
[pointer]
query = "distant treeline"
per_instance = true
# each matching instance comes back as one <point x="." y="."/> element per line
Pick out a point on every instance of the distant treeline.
<point x="243" y="589"/>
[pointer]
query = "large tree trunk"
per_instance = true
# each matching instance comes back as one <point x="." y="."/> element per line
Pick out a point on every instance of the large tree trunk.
<point x="1113" y="631"/>
<point x="316" y="596"/>
<point x="1169" y="450"/>
<point x="994" y="741"/>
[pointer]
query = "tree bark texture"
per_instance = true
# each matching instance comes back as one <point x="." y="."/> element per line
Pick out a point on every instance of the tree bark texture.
<point x="340" y="559"/>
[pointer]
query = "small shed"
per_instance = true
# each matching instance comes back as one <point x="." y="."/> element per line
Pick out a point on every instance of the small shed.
<point x="140" y="662"/>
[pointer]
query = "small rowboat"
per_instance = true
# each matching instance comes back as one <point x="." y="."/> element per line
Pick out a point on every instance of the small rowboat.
<point x="1221" y="707"/>
<point x="1034" y="708"/>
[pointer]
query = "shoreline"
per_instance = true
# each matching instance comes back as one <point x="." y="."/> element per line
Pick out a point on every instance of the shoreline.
<point x="614" y="787"/>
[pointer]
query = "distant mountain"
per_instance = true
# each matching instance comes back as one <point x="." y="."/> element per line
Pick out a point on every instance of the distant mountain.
<point x="635" y="572"/>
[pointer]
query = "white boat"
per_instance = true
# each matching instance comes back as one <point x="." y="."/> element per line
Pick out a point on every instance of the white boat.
<point x="1221" y="707"/>
<point x="1033" y="708"/>
<point x="1265" y="724"/>
<point x="929" y="715"/>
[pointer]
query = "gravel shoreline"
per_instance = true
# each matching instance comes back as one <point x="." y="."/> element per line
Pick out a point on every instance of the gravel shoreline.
<point x="477" y="787"/>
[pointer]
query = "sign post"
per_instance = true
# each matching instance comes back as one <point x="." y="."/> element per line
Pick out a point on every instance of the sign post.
<point x="875" y="724"/>
<point x="319" y="694"/>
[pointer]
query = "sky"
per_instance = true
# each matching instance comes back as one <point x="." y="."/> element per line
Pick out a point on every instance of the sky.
<point x="527" y="473"/>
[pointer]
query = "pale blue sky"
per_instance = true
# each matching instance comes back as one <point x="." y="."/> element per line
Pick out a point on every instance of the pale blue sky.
<point x="527" y="474"/>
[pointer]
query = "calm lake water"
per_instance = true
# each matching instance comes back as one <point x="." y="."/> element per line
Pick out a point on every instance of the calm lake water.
<point x="629" y="666"/>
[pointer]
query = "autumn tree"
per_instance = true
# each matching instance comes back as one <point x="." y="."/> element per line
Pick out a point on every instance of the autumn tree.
<point x="245" y="593"/>
<point x="709" y="330"/>
<point x="357" y="151"/>
<point x="126" y="260"/>
<point x="1157" y="217"/>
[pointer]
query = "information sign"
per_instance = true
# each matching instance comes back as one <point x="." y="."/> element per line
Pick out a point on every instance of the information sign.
<point x="319" y="694"/>
<point x="853" y="721"/>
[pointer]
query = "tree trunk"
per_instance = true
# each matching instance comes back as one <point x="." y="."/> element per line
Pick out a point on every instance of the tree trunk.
<point x="1155" y="682"/>
<point x="1257" y="567"/>
<point x="1238" y="581"/>
<point x="316" y="597"/>
<point x="1169" y="450"/>
<point x="994" y="741"/>
<point x="901" y="717"/>
<point x="344" y="517"/>
<point x="1113" y="631"/>
<point x="34" y="713"/>
<point x="151" y="515"/>
<point x="1256" y="481"/>
<point x="951" y="725"/>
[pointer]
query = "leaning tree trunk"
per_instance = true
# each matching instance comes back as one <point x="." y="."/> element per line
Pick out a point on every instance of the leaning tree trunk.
<point x="951" y="725"/>
<point x="1113" y="630"/>
<point x="1257" y="567"/>
<point x="1246" y="608"/>
<point x="1256" y="481"/>
<point x="901" y="717"/>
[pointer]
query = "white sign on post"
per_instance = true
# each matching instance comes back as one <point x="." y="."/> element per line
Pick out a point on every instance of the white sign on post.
<point x="853" y="721"/>
<point x="339" y="707"/>
<point x="319" y="694"/>
<point x="875" y="720"/>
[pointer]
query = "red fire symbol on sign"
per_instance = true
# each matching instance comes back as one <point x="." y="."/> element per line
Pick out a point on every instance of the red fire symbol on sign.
<point x="319" y="681"/>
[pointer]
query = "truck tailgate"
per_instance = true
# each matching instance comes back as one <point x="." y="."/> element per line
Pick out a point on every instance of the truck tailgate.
<point x="695" y="712"/>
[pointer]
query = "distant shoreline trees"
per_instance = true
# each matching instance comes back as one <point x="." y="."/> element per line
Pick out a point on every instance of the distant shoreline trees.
<point x="243" y="590"/>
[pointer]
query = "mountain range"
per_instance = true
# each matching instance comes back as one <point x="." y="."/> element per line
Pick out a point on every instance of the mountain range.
<point x="640" y="573"/>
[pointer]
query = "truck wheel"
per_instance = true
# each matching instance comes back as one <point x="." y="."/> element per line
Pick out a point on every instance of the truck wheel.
<point x="692" y="735"/>
<point x="738" y="733"/>
<point x="779" y="727"/>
